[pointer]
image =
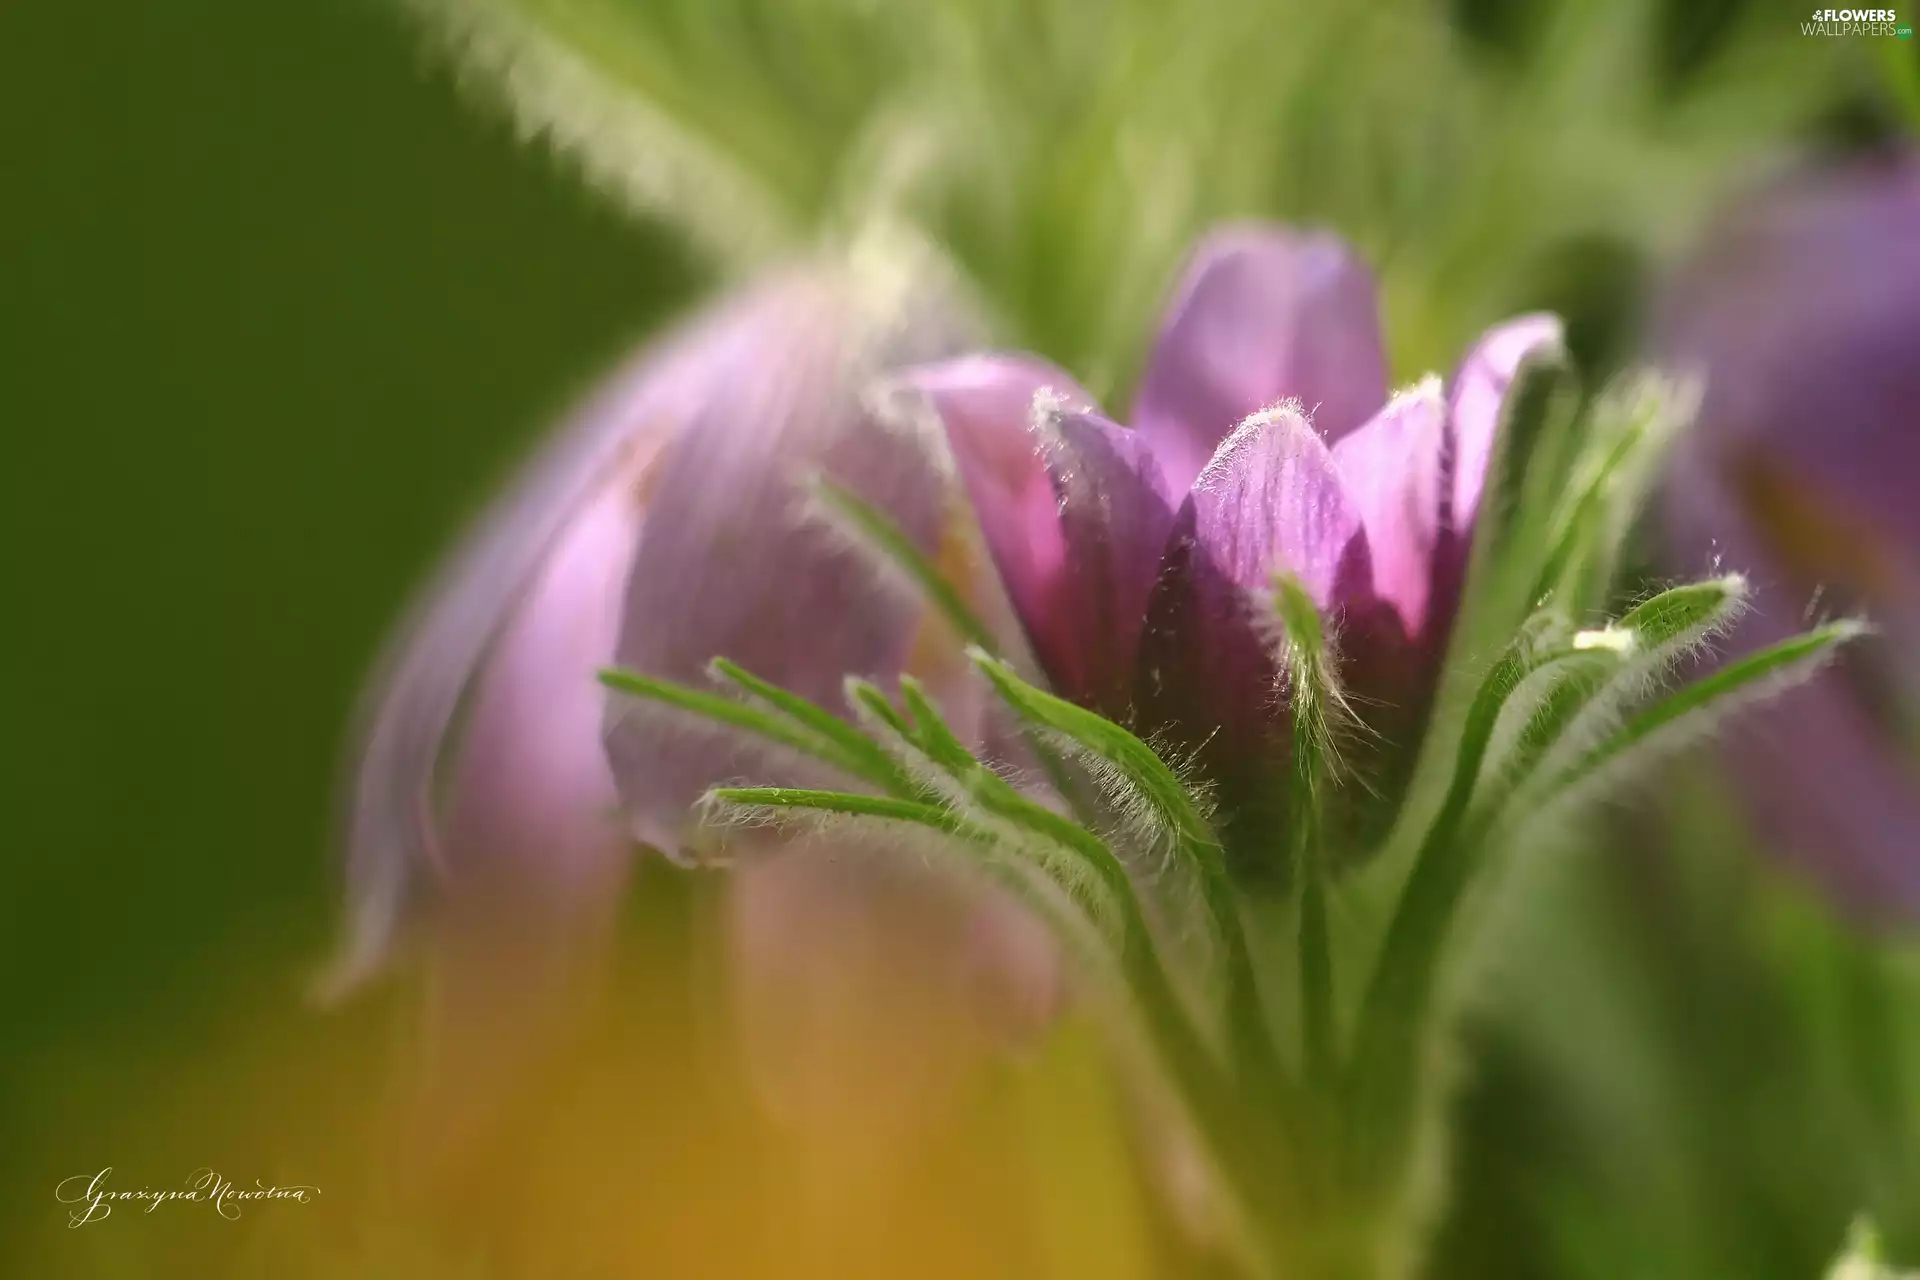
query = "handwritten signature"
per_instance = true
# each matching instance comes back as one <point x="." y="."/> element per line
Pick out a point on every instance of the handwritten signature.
<point x="93" y="1201"/>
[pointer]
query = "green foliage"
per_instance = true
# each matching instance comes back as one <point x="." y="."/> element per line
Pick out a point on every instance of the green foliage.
<point x="1066" y="152"/>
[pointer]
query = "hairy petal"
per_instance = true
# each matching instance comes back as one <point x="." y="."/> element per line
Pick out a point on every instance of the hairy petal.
<point x="532" y="831"/>
<point x="985" y="406"/>
<point x="1391" y="645"/>
<point x="736" y="561"/>
<point x="1115" y="517"/>
<point x="1261" y="315"/>
<point x="1072" y="507"/>
<point x="1270" y="501"/>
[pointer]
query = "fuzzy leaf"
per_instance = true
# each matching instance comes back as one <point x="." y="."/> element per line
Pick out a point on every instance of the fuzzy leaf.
<point x="1685" y="716"/>
<point x="780" y="729"/>
<point x="1160" y="807"/>
<point x="1654" y="636"/>
<point x="888" y="540"/>
<point x="869" y="760"/>
<point x="846" y="802"/>
<point x="1320" y="712"/>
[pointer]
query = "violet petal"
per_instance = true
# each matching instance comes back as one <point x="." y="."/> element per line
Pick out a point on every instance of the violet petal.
<point x="1474" y="402"/>
<point x="1072" y="508"/>
<point x="736" y="560"/>
<point x="1261" y="315"/>
<point x="1270" y="501"/>
<point x="1391" y="469"/>
<point x="442" y="650"/>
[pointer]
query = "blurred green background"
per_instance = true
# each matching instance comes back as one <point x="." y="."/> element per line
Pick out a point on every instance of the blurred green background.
<point x="279" y="308"/>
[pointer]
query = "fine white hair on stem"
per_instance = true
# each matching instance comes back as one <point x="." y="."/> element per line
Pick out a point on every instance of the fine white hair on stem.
<point x="1638" y="678"/>
<point x="1063" y="866"/>
<point x="1147" y="840"/>
<point x="1583" y="785"/>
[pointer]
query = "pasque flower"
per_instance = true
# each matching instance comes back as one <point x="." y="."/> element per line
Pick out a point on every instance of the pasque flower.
<point x="1803" y="314"/>
<point x="1259" y="579"/>
<point x="669" y="523"/>
<point x="1264" y="441"/>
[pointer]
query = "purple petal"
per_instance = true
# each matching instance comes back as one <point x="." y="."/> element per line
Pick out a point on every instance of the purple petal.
<point x="531" y="780"/>
<point x="985" y="405"/>
<point x="736" y="561"/>
<point x="1270" y="501"/>
<point x="536" y="851"/>
<point x="1478" y="392"/>
<point x="531" y="848"/>
<point x="1073" y="510"/>
<point x="1391" y="646"/>
<point x="1262" y="315"/>
<point x="1114" y="513"/>
<point x="1803" y="314"/>
<point x="448" y="641"/>
<point x="1391" y="468"/>
<point x="1825" y="769"/>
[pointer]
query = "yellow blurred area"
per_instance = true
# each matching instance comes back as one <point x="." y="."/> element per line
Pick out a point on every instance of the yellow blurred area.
<point x="638" y="1149"/>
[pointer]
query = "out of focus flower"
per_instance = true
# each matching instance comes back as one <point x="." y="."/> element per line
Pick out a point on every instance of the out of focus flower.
<point x="667" y="525"/>
<point x="1803" y="312"/>
<point x="1264" y="442"/>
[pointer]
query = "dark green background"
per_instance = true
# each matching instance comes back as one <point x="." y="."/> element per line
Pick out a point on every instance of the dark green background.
<point x="278" y="308"/>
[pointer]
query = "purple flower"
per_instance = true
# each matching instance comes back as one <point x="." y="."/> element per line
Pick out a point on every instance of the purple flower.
<point x="1804" y="314"/>
<point x="667" y="524"/>
<point x="1264" y="441"/>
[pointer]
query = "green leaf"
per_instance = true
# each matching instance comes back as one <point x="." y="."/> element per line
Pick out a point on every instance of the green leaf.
<point x="1000" y="862"/>
<point x="1678" y="619"/>
<point x="866" y="758"/>
<point x="1629" y="429"/>
<point x="1169" y="806"/>
<point x="777" y="728"/>
<point x="866" y="697"/>
<point x="846" y="802"/>
<point x="1537" y="713"/>
<point x="887" y="538"/>
<point x="1141" y="785"/>
<point x="1385" y="1072"/>
<point x="1319" y="711"/>
<point x="1589" y="687"/>
<point x="1685" y="716"/>
<point x="931" y="732"/>
<point x="731" y="119"/>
